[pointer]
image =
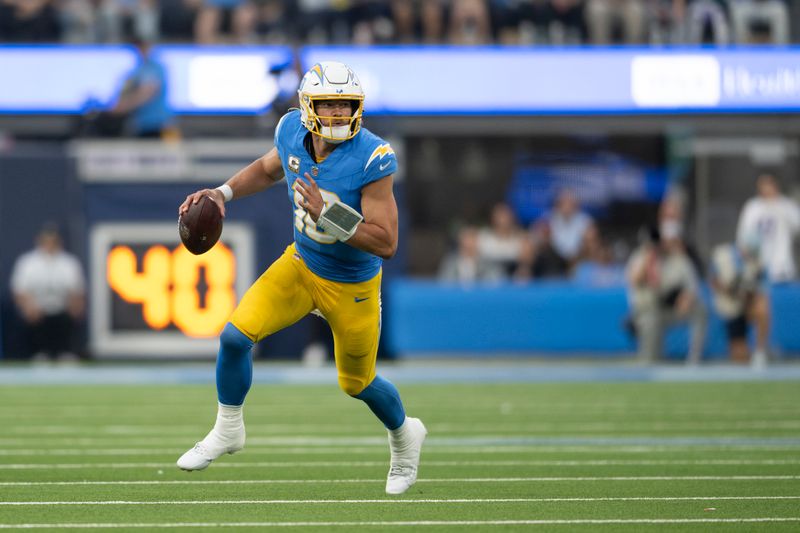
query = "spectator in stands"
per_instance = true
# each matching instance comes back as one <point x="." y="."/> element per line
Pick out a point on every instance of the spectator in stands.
<point x="532" y="21"/>
<point x="664" y="290"/>
<point x="760" y="21"/>
<point x="704" y="21"/>
<point x="237" y="17"/>
<point x="568" y="226"/>
<point x="775" y="221"/>
<point x="428" y="15"/>
<point x="538" y="257"/>
<point x="595" y="265"/>
<point x="109" y="21"/>
<point x="565" y="21"/>
<point x="505" y="17"/>
<point x="48" y="288"/>
<point x="29" y="21"/>
<point x="321" y="21"/>
<point x="177" y="19"/>
<point x="469" y="22"/>
<point x="141" y="109"/>
<point x="665" y="21"/>
<point x="272" y="22"/>
<point x="466" y="265"/>
<point x="602" y="16"/>
<point x="500" y="244"/>
<point x="736" y="279"/>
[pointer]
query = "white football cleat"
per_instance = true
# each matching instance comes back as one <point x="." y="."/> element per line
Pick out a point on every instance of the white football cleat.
<point x="210" y="448"/>
<point x="405" y="446"/>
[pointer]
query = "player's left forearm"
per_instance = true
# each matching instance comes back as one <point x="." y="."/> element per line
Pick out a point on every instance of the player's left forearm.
<point x="374" y="239"/>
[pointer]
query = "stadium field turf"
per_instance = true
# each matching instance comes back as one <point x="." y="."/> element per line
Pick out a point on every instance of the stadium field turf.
<point x="499" y="457"/>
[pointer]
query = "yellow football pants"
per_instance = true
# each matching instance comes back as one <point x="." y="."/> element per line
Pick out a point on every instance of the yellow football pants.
<point x="288" y="291"/>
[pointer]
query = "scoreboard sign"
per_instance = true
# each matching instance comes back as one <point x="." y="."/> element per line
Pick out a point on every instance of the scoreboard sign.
<point x="150" y="297"/>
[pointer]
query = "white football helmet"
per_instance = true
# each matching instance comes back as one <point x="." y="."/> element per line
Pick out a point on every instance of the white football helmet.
<point x="331" y="80"/>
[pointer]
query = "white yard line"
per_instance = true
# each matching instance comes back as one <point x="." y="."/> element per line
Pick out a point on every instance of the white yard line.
<point x="289" y="429"/>
<point x="431" y="480"/>
<point x="396" y="501"/>
<point x="370" y="464"/>
<point x="498" y="441"/>
<point x="72" y="447"/>
<point x="416" y="523"/>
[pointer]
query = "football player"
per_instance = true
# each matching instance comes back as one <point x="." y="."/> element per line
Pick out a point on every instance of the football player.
<point x="339" y="179"/>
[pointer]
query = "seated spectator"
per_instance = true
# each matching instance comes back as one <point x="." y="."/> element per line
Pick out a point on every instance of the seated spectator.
<point x="595" y="265"/>
<point x="469" y="22"/>
<point x="237" y="17"/>
<point x="109" y="21"/>
<point x="416" y="20"/>
<point x="736" y="280"/>
<point x="317" y="21"/>
<point x="568" y="226"/>
<point x="177" y="19"/>
<point x="541" y="254"/>
<point x="664" y="290"/>
<point x="369" y="22"/>
<point x="134" y="19"/>
<point x="466" y="265"/>
<point x="565" y="21"/>
<point x="29" y="21"/>
<point x="48" y="288"/>
<point x="705" y="22"/>
<point x="500" y="244"/>
<point x="603" y="16"/>
<point x="505" y="17"/>
<point x="272" y="22"/>
<point x="665" y="21"/>
<point x="760" y="21"/>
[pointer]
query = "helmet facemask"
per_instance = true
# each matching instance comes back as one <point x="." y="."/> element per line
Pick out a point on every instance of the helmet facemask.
<point x="323" y="125"/>
<point x="331" y="80"/>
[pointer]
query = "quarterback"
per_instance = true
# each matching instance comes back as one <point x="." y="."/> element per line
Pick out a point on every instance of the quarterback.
<point x="339" y="179"/>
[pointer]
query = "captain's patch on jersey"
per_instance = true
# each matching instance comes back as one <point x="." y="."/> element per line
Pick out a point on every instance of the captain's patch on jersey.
<point x="294" y="163"/>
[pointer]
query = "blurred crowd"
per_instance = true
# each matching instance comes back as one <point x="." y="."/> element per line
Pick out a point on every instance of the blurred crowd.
<point x="664" y="274"/>
<point x="397" y="21"/>
<point x="563" y="243"/>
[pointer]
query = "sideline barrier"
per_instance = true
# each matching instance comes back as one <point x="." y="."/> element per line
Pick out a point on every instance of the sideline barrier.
<point x="552" y="317"/>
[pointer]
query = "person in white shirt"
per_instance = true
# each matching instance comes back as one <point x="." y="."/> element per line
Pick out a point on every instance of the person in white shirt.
<point x="568" y="226"/>
<point x="465" y="264"/>
<point x="500" y="244"/>
<point x="775" y="220"/>
<point x="49" y="292"/>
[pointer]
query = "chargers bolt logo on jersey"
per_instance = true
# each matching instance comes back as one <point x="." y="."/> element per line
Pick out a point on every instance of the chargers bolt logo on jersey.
<point x="380" y="152"/>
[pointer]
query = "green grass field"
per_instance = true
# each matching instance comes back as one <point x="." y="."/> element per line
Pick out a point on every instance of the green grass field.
<point x="499" y="457"/>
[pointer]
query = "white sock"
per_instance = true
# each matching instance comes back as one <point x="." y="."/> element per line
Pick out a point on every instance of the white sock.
<point x="400" y="436"/>
<point x="229" y="419"/>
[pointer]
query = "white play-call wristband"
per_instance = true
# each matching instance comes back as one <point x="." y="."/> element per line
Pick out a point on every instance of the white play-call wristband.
<point x="339" y="220"/>
<point x="227" y="192"/>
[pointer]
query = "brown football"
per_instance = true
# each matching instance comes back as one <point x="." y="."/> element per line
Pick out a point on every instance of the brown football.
<point x="200" y="226"/>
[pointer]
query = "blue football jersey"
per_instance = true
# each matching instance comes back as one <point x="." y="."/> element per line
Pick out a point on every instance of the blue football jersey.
<point x="352" y="165"/>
